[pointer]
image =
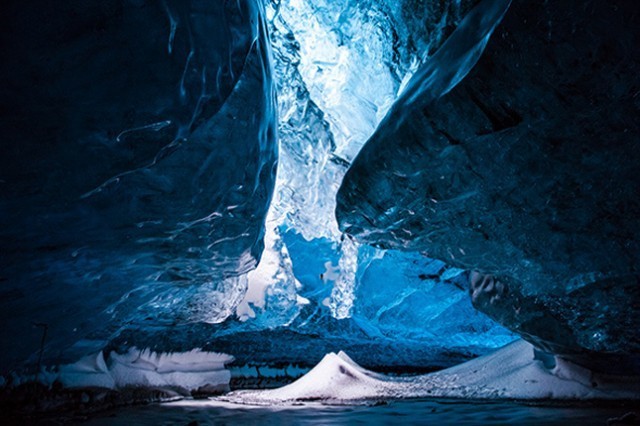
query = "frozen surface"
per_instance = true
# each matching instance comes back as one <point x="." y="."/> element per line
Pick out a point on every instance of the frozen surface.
<point x="430" y="411"/>
<point x="189" y="371"/>
<point x="524" y="170"/>
<point x="313" y="285"/>
<point x="594" y="325"/>
<point x="138" y="163"/>
<point x="140" y="206"/>
<point x="513" y="372"/>
<point x="329" y="56"/>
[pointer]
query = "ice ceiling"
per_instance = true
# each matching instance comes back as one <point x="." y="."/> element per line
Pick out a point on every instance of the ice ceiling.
<point x="171" y="174"/>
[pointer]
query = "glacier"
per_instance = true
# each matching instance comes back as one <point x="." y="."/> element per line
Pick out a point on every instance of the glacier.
<point x="140" y="224"/>
<point x="135" y="176"/>
<point x="523" y="172"/>
<point x="186" y="372"/>
<point x="242" y="188"/>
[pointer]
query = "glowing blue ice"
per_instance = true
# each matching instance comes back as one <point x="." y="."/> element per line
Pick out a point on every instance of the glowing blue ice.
<point x="135" y="174"/>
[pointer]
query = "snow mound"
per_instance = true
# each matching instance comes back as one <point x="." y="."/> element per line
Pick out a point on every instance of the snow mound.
<point x="336" y="377"/>
<point x="512" y="372"/>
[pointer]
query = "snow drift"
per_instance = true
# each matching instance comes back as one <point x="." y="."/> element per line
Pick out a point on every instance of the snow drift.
<point x="516" y="371"/>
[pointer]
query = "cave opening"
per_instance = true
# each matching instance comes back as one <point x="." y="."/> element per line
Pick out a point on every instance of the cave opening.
<point x="288" y="195"/>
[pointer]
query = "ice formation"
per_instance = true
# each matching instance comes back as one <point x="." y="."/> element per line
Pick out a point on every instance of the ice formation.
<point x="321" y="48"/>
<point x="185" y="371"/>
<point x="329" y="55"/>
<point x="525" y="171"/>
<point x="140" y="204"/>
<point x="191" y="370"/>
<point x="310" y="275"/>
<point x="138" y="164"/>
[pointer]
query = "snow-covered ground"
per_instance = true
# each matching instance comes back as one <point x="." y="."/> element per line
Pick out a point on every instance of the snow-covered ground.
<point x="512" y="372"/>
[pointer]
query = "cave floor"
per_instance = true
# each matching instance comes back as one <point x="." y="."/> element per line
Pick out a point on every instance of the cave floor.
<point x="209" y="412"/>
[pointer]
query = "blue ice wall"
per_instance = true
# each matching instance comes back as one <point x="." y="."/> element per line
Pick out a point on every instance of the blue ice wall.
<point x="140" y="143"/>
<point x="515" y="155"/>
<point x="138" y="162"/>
<point x="410" y="314"/>
<point x="339" y="66"/>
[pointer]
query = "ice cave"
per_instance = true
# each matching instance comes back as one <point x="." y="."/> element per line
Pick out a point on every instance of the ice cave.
<point x="319" y="212"/>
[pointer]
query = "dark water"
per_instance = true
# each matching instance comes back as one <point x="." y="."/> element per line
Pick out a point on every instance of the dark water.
<point x="407" y="412"/>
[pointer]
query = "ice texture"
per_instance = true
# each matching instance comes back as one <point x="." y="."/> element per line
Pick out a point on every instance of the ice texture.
<point x="138" y="162"/>
<point x="594" y="325"/>
<point x="186" y="371"/>
<point x="512" y="372"/>
<point x="339" y="67"/>
<point x="410" y="313"/>
<point x="191" y="370"/>
<point x="182" y="276"/>
<point x="140" y="165"/>
<point x="525" y="172"/>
